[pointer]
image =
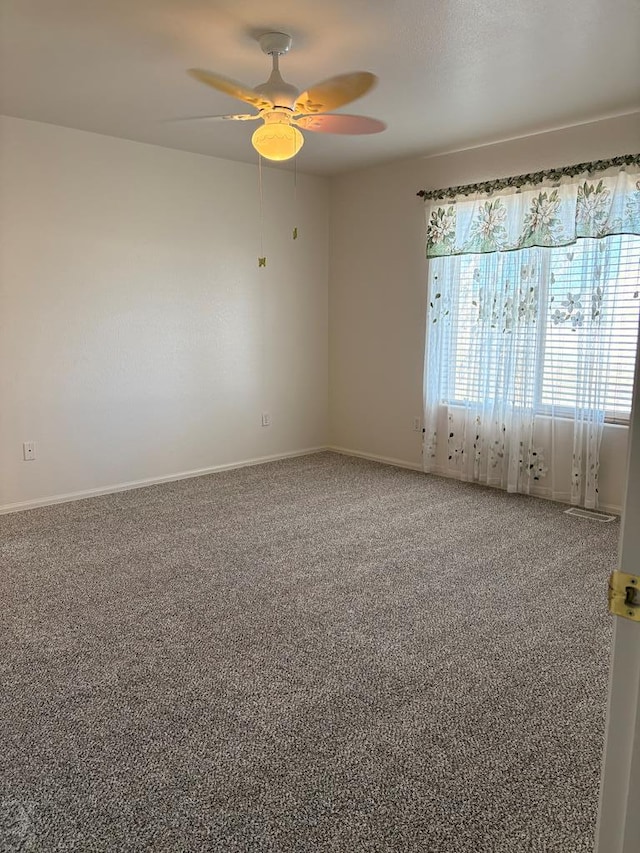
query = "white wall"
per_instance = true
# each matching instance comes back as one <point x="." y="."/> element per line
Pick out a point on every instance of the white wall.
<point x="378" y="285"/>
<point x="138" y="338"/>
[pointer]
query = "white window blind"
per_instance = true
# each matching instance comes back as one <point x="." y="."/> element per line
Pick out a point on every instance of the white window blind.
<point x="618" y="311"/>
<point x="572" y="303"/>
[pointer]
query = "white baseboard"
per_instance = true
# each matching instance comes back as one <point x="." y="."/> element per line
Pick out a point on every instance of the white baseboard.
<point x="50" y="500"/>
<point x="387" y="460"/>
<point x="153" y="481"/>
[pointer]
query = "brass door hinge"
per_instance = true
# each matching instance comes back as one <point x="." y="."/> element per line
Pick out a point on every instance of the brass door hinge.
<point x="624" y="595"/>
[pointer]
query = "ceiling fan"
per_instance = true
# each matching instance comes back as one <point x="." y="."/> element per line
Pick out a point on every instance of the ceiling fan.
<point x="284" y="111"/>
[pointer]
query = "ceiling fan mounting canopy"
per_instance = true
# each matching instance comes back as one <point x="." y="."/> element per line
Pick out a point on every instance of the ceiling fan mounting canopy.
<point x="281" y="106"/>
<point x="279" y="43"/>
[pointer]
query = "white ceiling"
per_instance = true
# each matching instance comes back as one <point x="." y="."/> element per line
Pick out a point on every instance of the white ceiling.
<point x="453" y="73"/>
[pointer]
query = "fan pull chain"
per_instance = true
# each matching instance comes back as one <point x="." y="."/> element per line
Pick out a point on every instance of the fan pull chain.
<point x="262" y="260"/>
<point x="295" y="198"/>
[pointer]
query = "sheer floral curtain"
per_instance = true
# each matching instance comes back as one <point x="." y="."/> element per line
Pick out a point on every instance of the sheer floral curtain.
<point x="531" y="292"/>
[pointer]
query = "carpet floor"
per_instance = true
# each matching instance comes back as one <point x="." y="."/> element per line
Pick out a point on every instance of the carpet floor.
<point x="318" y="654"/>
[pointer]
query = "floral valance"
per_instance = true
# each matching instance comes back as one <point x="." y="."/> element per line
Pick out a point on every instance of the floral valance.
<point x="505" y="215"/>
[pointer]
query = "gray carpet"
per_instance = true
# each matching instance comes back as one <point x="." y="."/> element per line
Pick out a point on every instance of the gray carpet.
<point x="319" y="654"/>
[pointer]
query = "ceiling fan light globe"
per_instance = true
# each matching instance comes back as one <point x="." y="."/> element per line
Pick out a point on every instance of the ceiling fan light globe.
<point x="277" y="141"/>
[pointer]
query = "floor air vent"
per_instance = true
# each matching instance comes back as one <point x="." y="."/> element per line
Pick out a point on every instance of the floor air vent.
<point x="591" y="514"/>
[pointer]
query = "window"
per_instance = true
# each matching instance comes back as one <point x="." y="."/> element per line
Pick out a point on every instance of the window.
<point x="566" y="293"/>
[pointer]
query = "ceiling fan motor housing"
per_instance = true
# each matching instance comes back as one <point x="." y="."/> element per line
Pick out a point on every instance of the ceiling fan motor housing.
<point x="280" y="94"/>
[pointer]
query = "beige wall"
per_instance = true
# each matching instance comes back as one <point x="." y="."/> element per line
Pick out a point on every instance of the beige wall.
<point x="378" y="285"/>
<point x="138" y="338"/>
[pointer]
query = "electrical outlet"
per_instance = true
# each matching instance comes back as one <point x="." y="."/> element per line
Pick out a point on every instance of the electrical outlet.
<point x="266" y="419"/>
<point x="28" y="450"/>
<point x="416" y="425"/>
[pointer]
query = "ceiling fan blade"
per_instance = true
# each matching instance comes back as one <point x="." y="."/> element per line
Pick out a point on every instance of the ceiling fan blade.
<point x="231" y="87"/>
<point x="335" y="92"/>
<point x="328" y="123"/>
<point x="247" y="117"/>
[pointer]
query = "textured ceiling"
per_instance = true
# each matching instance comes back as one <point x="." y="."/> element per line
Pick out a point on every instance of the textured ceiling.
<point x="452" y="74"/>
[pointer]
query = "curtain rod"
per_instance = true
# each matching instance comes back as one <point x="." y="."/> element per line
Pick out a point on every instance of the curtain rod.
<point x="531" y="178"/>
